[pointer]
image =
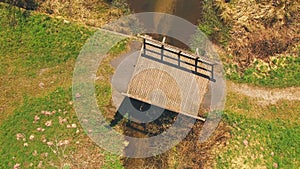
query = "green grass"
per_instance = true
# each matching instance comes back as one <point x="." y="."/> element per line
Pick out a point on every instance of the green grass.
<point x="271" y="131"/>
<point x="37" y="49"/>
<point x="13" y="151"/>
<point x="253" y="108"/>
<point x="269" y="142"/>
<point x="38" y="41"/>
<point x="282" y="72"/>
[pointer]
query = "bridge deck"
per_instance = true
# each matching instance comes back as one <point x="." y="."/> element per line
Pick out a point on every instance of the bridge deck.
<point x="170" y="78"/>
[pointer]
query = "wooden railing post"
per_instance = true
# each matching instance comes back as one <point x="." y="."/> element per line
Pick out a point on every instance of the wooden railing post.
<point x="144" y="46"/>
<point x="212" y="72"/>
<point x="189" y="63"/>
<point x="179" y="54"/>
<point x="162" y="52"/>
<point x="162" y="48"/>
<point x="196" y="64"/>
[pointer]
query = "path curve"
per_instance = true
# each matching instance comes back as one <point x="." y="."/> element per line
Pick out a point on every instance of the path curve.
<point x="267" y="95"/>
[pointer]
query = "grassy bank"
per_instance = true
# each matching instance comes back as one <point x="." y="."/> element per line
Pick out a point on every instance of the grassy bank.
<point x="258" y="43"/>
<point x="257" y="143"/>
<point x="37" y="55"/>
<point x="88" y="12"/>
<point x="45" y="132"/>
<point x="280" y="72"/>
<point x="261" y="135"/>
<point x="39" y="127"/>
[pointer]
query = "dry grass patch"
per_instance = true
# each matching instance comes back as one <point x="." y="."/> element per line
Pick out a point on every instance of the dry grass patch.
<point x="261" y="29"/>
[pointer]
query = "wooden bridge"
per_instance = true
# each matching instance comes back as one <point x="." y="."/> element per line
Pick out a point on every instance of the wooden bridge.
<point x="171" y="78"/>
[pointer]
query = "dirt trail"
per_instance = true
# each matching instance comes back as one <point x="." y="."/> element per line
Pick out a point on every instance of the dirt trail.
<point x="266" y="95"/>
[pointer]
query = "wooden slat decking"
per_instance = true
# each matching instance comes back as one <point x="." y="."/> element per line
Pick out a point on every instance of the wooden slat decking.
<point x="164" y="78"/>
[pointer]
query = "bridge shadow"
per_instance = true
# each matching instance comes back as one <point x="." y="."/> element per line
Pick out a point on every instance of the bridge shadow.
<point x="131" y="111"/>
<point x="130" y="125"/>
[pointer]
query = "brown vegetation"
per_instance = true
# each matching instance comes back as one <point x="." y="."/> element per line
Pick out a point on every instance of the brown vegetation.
<point x="90" y="12"/>
<point x="189" y="153"/>
<point x="261" y="28"/>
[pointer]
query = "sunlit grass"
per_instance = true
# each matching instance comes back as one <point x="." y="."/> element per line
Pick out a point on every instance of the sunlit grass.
<point x="257" y="143"/>
<point x="280" y="73"/>
<point x="36" y="50"/>
<point x="37" y="59"/>
<point x="255" y="108"/>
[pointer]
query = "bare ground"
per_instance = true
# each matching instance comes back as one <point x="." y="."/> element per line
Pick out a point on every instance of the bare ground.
<point x="265" y="95"/>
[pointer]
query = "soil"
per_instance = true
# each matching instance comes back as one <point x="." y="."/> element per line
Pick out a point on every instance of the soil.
<point x="189" y="153"/>
<point x="266" y="96"/>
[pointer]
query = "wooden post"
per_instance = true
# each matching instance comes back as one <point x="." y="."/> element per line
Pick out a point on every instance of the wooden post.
<point x="196" y="64"/>
<point x="164" y="40"/>
<point x="162" y="48"/>
<point x="212" y="72"/>
<point x="197" y="52"/>
<point x="144" y="46"/>
<point x="196" y="60"/>
<point x="162" y="52"/>
<point x="179" y="54"/>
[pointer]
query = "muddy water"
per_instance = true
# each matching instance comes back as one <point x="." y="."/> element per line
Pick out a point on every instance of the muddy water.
<point x="189" y="10"/>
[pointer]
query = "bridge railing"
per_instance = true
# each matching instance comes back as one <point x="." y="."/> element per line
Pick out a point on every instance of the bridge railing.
<point x="178" y="58"/>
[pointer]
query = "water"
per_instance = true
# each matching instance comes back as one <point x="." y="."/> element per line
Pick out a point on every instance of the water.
<point x="186" y="9"/>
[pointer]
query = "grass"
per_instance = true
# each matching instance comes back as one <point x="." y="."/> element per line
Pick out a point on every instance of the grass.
<point x="38" y="49"/>
<point x="22" y="121"/>
<point x="279" y="73"/>
<point x="37" y="59"/>
<point x="257" y="143"/>
<point x="256" y="32"/>
<point x="253" y="108"/>
<point x="261" y="136"/>
<point x="42" y="49"/>
<point x="89" y="12"/>
<point x="13" y="151"/>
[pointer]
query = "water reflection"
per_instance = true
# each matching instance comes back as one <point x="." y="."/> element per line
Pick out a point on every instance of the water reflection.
<point x="189" y="10"/>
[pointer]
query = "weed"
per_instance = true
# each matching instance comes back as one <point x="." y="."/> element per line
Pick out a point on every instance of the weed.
<point x="278" y="73"/>
<point x="260" y="143"/>
<point x="211" y="24"/>
<point x="252" y="108"/>
<point x="39" y="127"/>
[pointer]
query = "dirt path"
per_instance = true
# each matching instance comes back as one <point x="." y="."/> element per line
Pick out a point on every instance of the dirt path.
<point x="266" y="96"/>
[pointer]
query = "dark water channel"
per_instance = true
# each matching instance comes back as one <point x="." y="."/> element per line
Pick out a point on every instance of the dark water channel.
<point x="189" y="10"/>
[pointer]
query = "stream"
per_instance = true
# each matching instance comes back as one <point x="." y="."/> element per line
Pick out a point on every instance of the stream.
<point x="190" y="11"/>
